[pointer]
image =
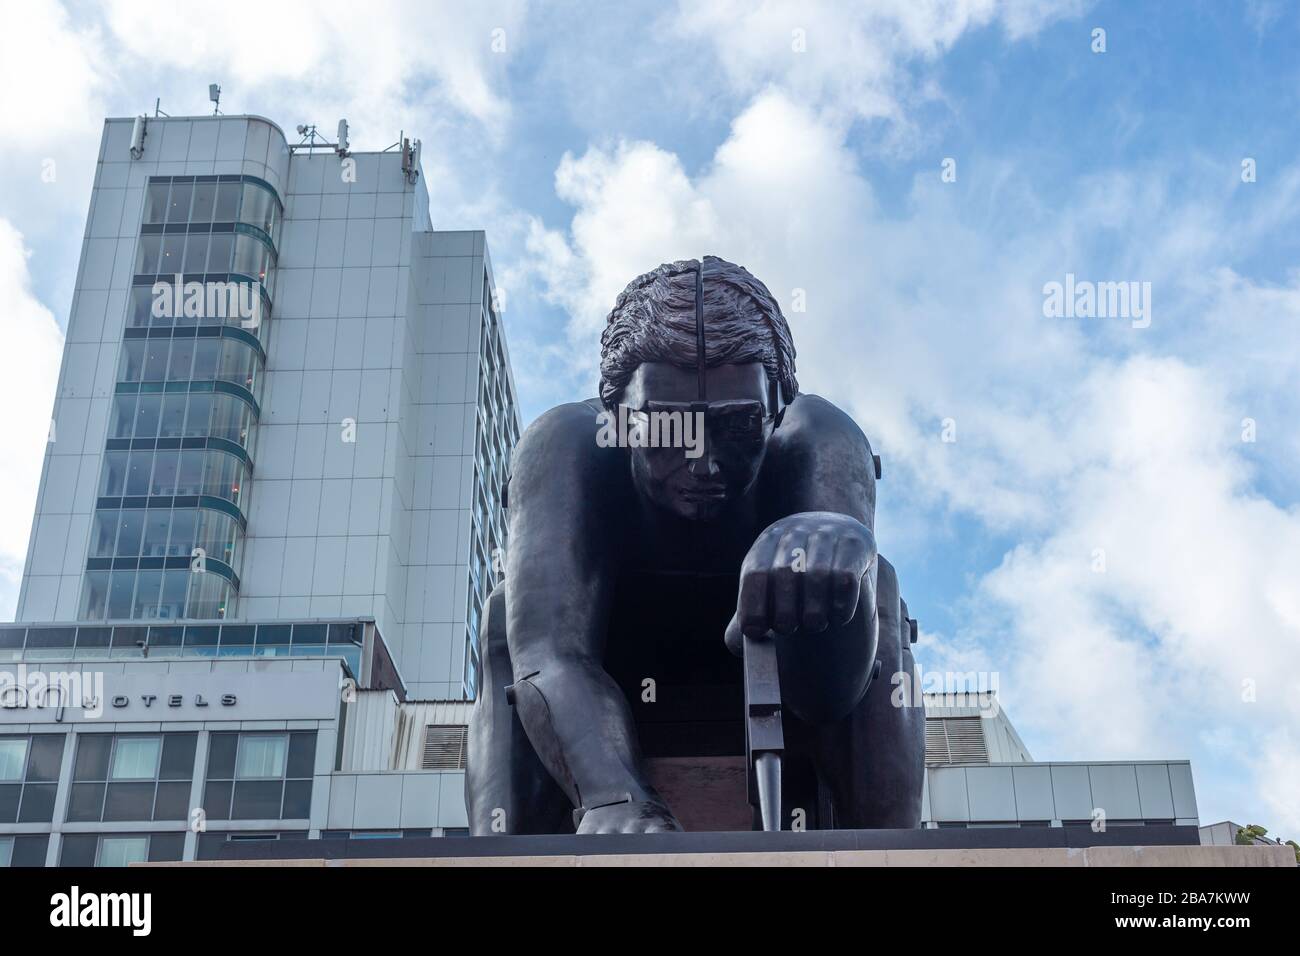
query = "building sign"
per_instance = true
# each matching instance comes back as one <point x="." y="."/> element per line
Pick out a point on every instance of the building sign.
<point x="30" y="696"/>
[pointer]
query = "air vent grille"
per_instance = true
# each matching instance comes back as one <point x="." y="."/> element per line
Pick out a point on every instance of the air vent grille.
<point x="444" y="747"/>
<point x="954" y="740"/>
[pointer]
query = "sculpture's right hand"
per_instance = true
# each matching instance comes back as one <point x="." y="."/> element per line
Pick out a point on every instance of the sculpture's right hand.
<point x="646" y="816"/>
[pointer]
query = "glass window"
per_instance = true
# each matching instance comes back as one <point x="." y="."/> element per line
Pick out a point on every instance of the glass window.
<point x="86" y="802"/>
<point x="130" y="528"/>
<point x="141" y="305"/>
<point x="231" y="419"/>
<point x="205" y="201"/>
<point x="92" y="642"/>
<point x="122" y="850"/>
<point x="209" y="597"/>
<point x="135" y="758"/>
<point x="123" y="416"/>
<point x="248" y="256"/>
<point x="173" y="253"/>
<point x="171" y="605"/>
<point x="147" y="586"/>
<point x="137" y="473"/>
<point x="199" y="414"/>
<point x="221" y="756"/>
<point x="196" y="252"/>
<point x="163" y="480"/>
<point x="178" y="757"/>
<point x="13" y="758"/>
<point x="121" y="588"/>
<point x="148" y="256"/>
<point x="148" y="412"/>
<point x="178" y="205"/>
<point x="302" y="754"/>
<point x="6" y="851"/>
<point x="131" y="367"/>
<point x="257" y="208"/>
<point x="95" y="595"/>
<point x="38" y="804"/>
<point x="218" y="536"/>
<point x="182" y="360"/>
<point x="114" y="473"/>
<point x="189" y="481"/>
<point x="257" y="800"/>
<point x="104" y="534"/>
<point x="206" y="356"/>
<point x="155" y="202"/>
<point x="184" y="525"/>
<point x="156" y="526"/>
<point x="172" y="423"/>
<point x="223" y="476"/>
<point x="238" y="364"/>
<point x="227" y="202"/>
<point x="261" y="756"/>
<point x="155" y="360"/>
<point x="221" y="246"/>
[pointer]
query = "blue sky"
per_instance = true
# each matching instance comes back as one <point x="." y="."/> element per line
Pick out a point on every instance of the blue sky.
<point x="806" y="141"/>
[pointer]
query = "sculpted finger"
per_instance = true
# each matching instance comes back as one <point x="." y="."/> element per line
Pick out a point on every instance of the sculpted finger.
<point x="751" y="605"/>
<point x="735" y="637"/>
<point x="816" y="578"/>
<point x="784" y="582"/>
<point x="846" y="580"/>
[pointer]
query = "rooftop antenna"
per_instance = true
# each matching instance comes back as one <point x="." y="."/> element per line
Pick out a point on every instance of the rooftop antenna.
<point x="157" y="107"/>
<point x="410" y="159"/>
<point x="314" y="140"/>
<point x="214" y="94"/>
<point x="139" y="129"/>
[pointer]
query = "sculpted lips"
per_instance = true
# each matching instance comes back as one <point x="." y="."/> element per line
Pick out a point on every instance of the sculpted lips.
<point x="703" y="492"/>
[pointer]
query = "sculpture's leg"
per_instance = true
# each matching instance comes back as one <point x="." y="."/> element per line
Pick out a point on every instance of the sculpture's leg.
<point x="873" y="761"/>
<point x="507" y="790"/>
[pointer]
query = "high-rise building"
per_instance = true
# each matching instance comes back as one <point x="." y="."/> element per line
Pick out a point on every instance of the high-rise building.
<point x="272" y="490"/>
<point x="339" y="453"/>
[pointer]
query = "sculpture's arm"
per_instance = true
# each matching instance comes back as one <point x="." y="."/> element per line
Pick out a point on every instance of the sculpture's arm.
<point x="811" y="575"/>
<point x="563" y="525"/>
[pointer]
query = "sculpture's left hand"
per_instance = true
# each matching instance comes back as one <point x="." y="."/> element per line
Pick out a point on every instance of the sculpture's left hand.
<point x="804" y="574"/>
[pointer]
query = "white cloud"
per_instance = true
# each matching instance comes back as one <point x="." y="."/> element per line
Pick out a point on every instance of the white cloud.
<point x="381" y="63"/>
<point x="850" y="60"/>
<point x="50" y="75"/>
<point x="29" y="370"/>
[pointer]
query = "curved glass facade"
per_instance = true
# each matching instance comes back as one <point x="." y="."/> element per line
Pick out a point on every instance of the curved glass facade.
<point x="168" y="529"/>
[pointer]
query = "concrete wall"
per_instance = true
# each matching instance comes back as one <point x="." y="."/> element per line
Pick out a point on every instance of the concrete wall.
<point x="1053" y="792"/>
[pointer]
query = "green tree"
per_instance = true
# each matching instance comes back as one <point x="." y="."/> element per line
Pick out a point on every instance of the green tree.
<point x="1247" y="835"/>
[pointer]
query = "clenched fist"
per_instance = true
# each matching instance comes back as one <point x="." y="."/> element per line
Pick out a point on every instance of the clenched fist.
<point x="805" y="573"/>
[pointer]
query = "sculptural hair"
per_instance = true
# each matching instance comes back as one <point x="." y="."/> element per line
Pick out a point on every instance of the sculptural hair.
<point x="653" y="320"/>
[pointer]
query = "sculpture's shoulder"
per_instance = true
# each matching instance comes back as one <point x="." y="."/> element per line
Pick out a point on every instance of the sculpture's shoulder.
<point x="559" y="447"/>
<point x="567" y="422"/>
<point x="813" y="422"/>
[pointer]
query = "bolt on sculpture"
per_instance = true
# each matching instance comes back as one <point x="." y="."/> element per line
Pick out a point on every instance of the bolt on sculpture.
<point x="695" y="629"/>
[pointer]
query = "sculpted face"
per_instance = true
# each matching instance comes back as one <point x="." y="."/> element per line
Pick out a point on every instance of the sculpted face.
<point x="722" y="462"/>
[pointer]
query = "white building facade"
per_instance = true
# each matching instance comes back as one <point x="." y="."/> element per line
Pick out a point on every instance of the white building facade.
<point x="341" y="455"/>
<point x="255" y="505"/>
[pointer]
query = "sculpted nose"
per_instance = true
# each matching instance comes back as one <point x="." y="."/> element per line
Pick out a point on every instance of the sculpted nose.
<point x="704" y="466"/>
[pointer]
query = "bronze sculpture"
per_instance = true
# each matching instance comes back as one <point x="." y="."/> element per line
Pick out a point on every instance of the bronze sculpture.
<point x="700" y="510"/>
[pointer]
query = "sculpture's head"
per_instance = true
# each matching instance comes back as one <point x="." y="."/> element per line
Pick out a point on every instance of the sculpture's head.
<point x="693" y="344"/>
